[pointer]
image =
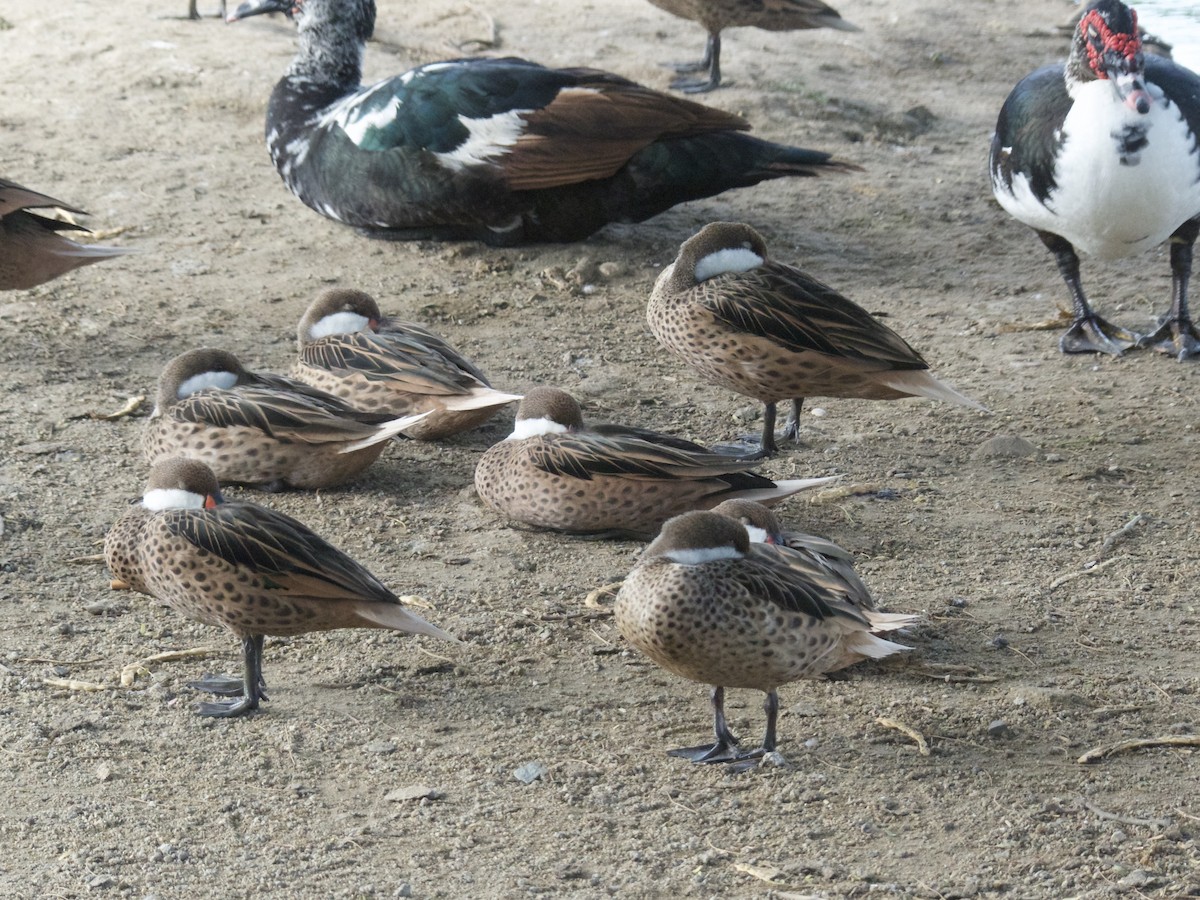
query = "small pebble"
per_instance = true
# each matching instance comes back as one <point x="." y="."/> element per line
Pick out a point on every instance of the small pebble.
<point x="997" y="728"/>
<point x="380" y="747"/>
<point x="529" y="772"/>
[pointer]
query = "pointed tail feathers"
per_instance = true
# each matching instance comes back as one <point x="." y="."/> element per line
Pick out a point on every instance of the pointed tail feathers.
<point x="869" y="646"/>
<point x="882" y="621"/>
<point x="384" y="432"/>
<point x="919" y="383"/>
<point x="479" y="398"/>
<point x="785" y="488"/>
<point x="397" y="617"/>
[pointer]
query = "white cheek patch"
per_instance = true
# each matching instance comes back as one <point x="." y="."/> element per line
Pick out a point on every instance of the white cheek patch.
<point x="702" y="555"/>
<point x="486" y="139"/>
<point x="734" y="259"/>
<point x="757" y="535"/>
<point x="172" y="498"/>
<point x="526" y="428"/>
<point x="339" y="323"/>
<point x="198" y="382"/>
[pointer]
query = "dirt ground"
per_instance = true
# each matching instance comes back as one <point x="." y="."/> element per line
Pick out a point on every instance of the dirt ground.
<point x="1057" y="577"/>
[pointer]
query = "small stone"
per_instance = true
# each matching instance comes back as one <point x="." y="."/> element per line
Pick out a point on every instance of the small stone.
<point x="611" y="269"/>
<point x="104" y="772"/>
<point x="1135" y="879"/>
<point x="1005" y="446"/>
<point x="380" y="747"/>
<point x="529" y="772"/>
<point x="997" y="728"/>
<point x="413" y="792"/>
<point x="100" y="882"/>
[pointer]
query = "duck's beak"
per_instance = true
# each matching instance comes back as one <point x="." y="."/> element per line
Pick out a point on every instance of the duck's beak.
<point x="258" y="7"/>
<point x="1131" y="88"/>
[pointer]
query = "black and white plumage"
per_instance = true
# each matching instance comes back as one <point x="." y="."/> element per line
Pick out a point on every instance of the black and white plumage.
<point x="1101" y="155"/>
<point x="499" y="150"/>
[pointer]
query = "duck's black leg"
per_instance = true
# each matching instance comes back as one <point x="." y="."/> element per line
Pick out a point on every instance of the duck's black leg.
<point x="791" y="428"/>
<point x="710" y="64"/>
<point x="252" y="690"/>
<point x="749" y="759"/>
<point x="726" y="747"/>
<point x="1088" y="332"/>
<point x="1176" y="333"/>
<point x="750" y="446"/>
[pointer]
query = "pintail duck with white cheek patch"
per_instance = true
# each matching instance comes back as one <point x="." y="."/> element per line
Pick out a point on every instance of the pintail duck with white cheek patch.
<point x="608" y="480"/>
<point x="772" y="332"/>
<point x="817" y="555"/>
<point x="502" y="151"/>
<point x="380" y="365"/>
<point x="32" y="247"/>
<point x="707" y="604"/>
<point x="717" y="15"/>
<point x="262" y="430"/>
<point x="1102" y="154"/>
<point x="246" y="568"/>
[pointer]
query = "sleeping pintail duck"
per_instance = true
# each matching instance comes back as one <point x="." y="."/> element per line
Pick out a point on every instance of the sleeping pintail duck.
<point x="772" y="332"/>
<point x="502" y="151"/>
<point x="245" y="568"/>
<point x="707" y="604"/>
<point x="1100" y="154"/>
<point x="262" y="430"/>
<point x="32" y="250"/>
<point x="608" y="480"/>
<point x="378" y="365"/>
<point x="820" y="556"/>
<point x="717" y="15"/>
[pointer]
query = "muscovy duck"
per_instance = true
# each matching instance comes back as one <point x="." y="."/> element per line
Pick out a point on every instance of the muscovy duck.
<point x="504" y="151"/>
<point x="1101" y="155"/>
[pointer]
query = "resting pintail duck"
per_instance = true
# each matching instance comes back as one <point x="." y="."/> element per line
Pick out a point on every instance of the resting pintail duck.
<point x="1100" y="154"/>
<point x="608" y="480"/>
<point x="378" y="365"/>
<point x="262" y="430"/>
<point x="502" y="151"/>
<point x="717" y="15"/>
<point x="707" y="604"/>
<point x="246" y="568"/>
<point x="772" y="332"/>
<point x="819" y="556"/>
<point x="32" y="249"/>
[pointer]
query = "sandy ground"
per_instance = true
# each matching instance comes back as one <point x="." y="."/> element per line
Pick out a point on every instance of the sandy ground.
<point x="1058" y="587"/>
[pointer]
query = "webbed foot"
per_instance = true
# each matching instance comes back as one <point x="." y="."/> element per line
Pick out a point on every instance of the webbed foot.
<point x="1092" y="334"/>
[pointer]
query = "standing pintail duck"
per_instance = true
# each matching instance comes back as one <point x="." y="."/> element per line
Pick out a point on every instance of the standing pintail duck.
<point x="717" y="15"/>
<point x="502" y="151"/>
<point x="819" y="555"/>
<point x="377" y="365"/>
<point x="772" y="332"/>
<point x="1102" y="155"/>
<point x="707" y="604"/>
<point x="32" y="251"/>
<point x="608" y="480"/>
<point x="262" y="430"/>
<point x="246" y="568"/>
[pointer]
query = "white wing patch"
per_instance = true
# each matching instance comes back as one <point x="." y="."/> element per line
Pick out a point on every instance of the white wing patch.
<point x="526" y="428"/>
<point x="159" y="499"/>
<point x="198" y="382"/>
<point x="486" y="139"/>
<point x="734" y="259"/>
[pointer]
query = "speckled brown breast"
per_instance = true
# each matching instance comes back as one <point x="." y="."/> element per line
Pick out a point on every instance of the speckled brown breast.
<point x="203" y="586"/>
<point x="509" y="483"/>
<point x="375" y="396"/>
<point x="757" y="366"/>
<point x="702" y="623"/>
<point x="248" y="456"/>
<point x="121" y="548"/>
